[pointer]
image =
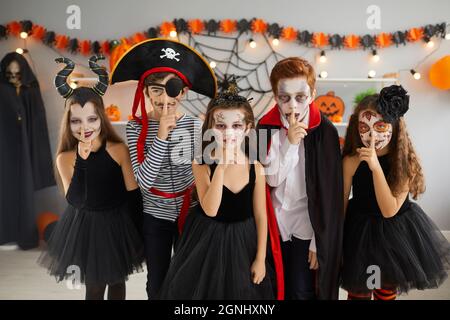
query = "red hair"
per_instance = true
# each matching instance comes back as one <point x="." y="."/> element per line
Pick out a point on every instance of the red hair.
<point x="292" y="68"/>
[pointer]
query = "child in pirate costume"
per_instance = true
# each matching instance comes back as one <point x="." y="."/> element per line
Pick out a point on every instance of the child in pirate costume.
<point x="162" y="142"/>
<point x="304" y="177"/>
<point x="96" y="237"/>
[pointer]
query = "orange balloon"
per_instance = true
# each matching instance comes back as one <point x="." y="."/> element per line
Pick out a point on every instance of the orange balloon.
<point x="43" y="220"/>
<point x="440" y="73"/>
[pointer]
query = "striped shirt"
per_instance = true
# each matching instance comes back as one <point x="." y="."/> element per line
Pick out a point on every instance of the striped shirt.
<point x="168" y="174"/>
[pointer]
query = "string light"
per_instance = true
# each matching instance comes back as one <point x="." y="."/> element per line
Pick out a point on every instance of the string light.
<point x="430" y="44"/>
<point x="375" y="56"/>
<point x="323" y="74"/>
<point x="213" y="64"/>
<point x="447" y="32"/>
<point x="252" y="43"/>
<point x="415" y="74"/>
<point x="24" y="35"/>
<point x="73" y="85"/>
<point x="372" y="74"/>
<point x="323" y="57"/>
<point x="173" y="34"/>
<point x="21" y="51"/>
<point x="275" y="41"/>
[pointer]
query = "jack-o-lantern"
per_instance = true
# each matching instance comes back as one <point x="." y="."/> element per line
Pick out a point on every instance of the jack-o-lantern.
<point x="113" y="112"/>
<point x="331" y="106"/>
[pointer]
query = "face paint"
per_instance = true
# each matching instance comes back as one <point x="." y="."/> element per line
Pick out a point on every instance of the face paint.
<point x="294" y="95"/>
<point x="87" y="117"/>
<point x="371" y="122"/>
<point x="13" y="73"/>
<point x="230" y="127"/>
<point x="169" y="89"/>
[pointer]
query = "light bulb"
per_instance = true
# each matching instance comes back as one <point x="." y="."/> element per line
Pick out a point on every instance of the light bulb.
<point x="375" y="56"/>
<point x="24" y="35"/>
<point x="430" y="44"/>
<point x="252" y="43"/>
<point x="19" y="50"/>
<point x="415" y="74"/>
<point x="323" y="74"/>
<point x="372" y="73"/>
<point x="323" y="57"/>
<point x="173" y="34"/>
<point x="275" y="42"/>
<point x="213" y="64"/>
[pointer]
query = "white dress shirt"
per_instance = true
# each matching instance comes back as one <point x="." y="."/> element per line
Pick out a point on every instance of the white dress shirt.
<point x="286" y="174"/>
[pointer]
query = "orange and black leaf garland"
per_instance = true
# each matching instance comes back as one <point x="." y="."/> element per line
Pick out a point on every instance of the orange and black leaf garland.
<point x="226" y="26"/>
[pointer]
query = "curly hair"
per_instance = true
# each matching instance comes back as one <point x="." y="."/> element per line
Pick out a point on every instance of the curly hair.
<point x="403" y="160"/>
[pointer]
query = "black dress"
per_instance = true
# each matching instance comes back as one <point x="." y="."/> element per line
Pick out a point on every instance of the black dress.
<point x="214" y="255"/>
<point x="96" y="232"/>
<point x="409" y="249"/>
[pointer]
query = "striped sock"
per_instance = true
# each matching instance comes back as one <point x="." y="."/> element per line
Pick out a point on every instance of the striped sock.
<point x="359" y="296"/>
<point x="384" y="294"/>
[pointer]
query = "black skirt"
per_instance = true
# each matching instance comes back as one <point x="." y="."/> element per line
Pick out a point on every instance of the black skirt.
<point x="104" y="245"/>
<point x="409" y="250"/>
<point x="212" y="261"/>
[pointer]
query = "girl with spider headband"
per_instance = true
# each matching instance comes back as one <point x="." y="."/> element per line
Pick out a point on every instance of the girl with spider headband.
<point x="96" y="238"/>
<point x="221" y="253"/>
<point x="387" y="237"/>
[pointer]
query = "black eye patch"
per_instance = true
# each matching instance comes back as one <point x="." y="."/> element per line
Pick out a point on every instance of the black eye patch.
<point x="174" y="87"/>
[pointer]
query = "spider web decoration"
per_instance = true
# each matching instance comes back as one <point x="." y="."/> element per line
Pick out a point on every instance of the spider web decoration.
<point x="232" y="56"/>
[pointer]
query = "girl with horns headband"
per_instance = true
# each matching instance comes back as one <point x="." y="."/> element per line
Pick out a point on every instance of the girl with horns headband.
<point x="98" y="236"/>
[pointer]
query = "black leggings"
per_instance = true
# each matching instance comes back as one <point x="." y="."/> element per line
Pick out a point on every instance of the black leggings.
<point x="97" y="292"/>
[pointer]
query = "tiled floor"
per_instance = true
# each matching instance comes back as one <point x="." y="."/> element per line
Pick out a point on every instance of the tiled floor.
<point x="22" y="278"/>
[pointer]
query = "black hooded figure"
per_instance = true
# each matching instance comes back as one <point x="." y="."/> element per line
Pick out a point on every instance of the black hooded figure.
<point x="25" y="158"/>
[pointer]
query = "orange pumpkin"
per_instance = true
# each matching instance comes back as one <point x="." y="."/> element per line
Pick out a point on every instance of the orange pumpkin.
<point x="331" y="106"/>
<point x="113" y="113"/>
<point x="43" y="220"/>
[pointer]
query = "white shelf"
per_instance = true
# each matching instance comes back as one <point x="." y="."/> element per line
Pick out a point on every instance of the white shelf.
<point x="376" y="80"/>
<point x="119" y="123"/>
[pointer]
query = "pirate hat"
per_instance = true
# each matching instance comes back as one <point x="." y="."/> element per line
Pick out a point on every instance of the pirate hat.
<point x="162" y="55"/>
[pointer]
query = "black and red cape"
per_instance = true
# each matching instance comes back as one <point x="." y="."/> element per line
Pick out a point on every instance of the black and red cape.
<point x="324" y="187"/>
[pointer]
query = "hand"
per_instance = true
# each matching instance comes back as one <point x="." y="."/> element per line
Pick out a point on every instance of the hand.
<point x="84" y="146"/>
<point x="167" y="123"/>
<point x="297" y="130"/>
<point x="258" y="271"/>
<point x="312" y="260"/>
<point x="369" y="155"/>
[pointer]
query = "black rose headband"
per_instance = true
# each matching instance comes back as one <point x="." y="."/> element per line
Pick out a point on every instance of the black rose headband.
<point x="393" y="103"/>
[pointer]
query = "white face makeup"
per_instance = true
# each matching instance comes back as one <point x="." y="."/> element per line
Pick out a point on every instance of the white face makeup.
<point x="13" y="73"/>
<point x="371" y="122"/>
<point x="158" y="96"/>
<point x="294" y="95"/>
<point x="230" y="127"/>
<point x="87" y="118"/>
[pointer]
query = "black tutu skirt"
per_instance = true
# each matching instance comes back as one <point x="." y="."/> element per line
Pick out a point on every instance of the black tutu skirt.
<point x="409" y="250"/>
<point x="212" y="261"/>
<point x="104" y="245"/>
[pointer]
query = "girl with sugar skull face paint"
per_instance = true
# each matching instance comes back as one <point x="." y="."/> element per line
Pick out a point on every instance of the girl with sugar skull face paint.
<point x="383" y="227"/>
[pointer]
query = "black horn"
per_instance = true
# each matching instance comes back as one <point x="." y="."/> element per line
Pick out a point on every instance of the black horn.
<point x="102" y="84"/>
<point x="61" y="78"/>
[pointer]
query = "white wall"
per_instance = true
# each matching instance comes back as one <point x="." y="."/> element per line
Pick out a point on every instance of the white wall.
<point x="429" y="116"/>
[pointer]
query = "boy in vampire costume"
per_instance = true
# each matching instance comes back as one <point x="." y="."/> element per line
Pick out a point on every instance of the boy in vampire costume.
<point x="300" y="150"/>
<point x="162" y="142"/>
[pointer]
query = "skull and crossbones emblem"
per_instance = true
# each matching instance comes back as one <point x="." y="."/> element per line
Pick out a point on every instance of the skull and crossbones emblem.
<point x="169" y="53"/>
